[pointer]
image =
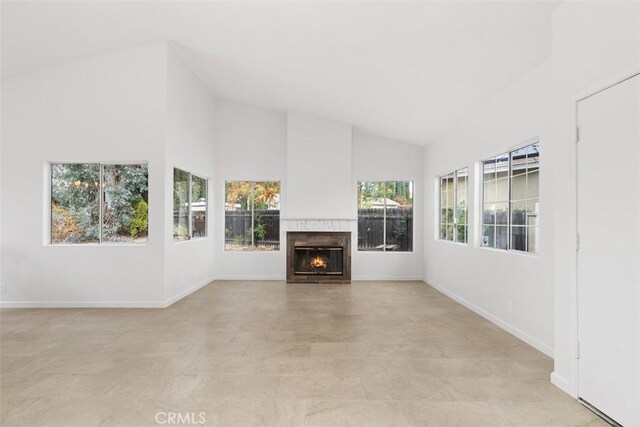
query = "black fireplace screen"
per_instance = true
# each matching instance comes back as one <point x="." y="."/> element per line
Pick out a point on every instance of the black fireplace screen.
<point x="321" y="260"/>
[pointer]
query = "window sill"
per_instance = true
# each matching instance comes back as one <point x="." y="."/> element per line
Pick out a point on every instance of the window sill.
<point x="196" y="239"/>
<point x="384" y="252"/>
<point x="97" y="245"/>
<point x="450" y="242"/>
<point x="511" y="252"/>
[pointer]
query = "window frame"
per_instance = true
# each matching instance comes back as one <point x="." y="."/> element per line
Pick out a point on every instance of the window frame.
<point x="251" y="199"/>
<point x="454" y="207"/>
<point x="48" y="238"/>
<point x="384" y="212"/>
<point x="190" y="236"/>
<point x="480" y="206"/>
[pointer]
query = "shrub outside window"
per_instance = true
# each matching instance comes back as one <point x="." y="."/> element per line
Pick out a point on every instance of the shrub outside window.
<point x="99" y="203"/>
<point x="252" y="216"/>
<point x="189" y="206"/>
<point x="385" y="216"/>
<point x="510" y="204"/>
<point x="453" y="206"/>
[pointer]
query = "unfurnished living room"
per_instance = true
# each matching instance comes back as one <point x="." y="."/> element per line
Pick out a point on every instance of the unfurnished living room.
<point x="330" y="213"/>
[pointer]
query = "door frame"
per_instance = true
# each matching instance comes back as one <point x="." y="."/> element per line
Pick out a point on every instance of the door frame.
<point x="593" y="89"/>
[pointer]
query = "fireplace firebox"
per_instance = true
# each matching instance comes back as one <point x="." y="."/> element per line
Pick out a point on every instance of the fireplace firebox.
<point x="318" y="257"/>
<point x="317" y="260"/>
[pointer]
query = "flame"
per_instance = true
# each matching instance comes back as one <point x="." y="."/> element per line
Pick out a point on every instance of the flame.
<point x="318" y="262"/>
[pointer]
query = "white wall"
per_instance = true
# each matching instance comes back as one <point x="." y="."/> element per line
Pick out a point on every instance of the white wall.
<point x="592" y="41"/>
<point x="251" y="145"/>
<point x="190" y="147"/>
<point x="380" y="159"/>
<point x="485" y="279"/>
<point x="318" y="168"/>
<point x="142" y="104"/>
<point x="106" y="108"/>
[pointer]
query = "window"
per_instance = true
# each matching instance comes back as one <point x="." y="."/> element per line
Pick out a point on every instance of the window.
<point x="385" y="216"/>
<point x="96" y="203"/>
<point x="453" y="206"/>
<point x="510" y="203"/>
<point x="189" y="206"/>
<point x="252" y="216"/>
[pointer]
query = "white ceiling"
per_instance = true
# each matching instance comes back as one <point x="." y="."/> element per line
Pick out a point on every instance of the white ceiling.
<point x="405" y="70"/>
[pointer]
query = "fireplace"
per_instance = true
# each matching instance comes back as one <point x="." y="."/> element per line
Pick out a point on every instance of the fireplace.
<point x="318" y="257"/>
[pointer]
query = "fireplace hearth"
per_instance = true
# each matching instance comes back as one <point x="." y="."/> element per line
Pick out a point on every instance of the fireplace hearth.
<point x="319" y="257"/>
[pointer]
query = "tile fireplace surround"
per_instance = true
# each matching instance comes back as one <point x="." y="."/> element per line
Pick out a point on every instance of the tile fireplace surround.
<point x="319" y="257"/>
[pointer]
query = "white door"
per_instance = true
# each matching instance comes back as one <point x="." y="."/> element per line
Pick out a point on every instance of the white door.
<point x="609" y="251"/>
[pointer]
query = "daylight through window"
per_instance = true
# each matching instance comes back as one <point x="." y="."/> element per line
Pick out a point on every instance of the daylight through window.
<point x="453" y="206"/>
<point x="385" y="216"/>
<point x="510" y="205"/>
<point x="189" y="205"/>
<point x="96" y="203"/>
<point x="252" y="216"/>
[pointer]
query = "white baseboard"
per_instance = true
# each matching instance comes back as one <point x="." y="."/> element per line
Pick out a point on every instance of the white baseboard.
<point x="83" y="304"/>
<point x="563" y="385"/>
<point x="104" y="304"/>
<point x="387" y="278"/>
<point x="533" y="342"/>
<point x="257" y="277"/>
<point x="187" y="292"/>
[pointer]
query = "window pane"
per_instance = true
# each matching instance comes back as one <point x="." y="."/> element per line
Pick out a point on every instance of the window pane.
<point x="443" y="231"/>
<point x="370" y="216"/>
<point x="533" y="179"/>
<point x="488" y="236"/>
<point x="75" y="203"/>
<point x="502" y="166"/>
<point x="399" y="195"/>
<point x="519" y="187"/>
<point x="489" y="170"/>
<point x="519" y="162"/>
<point x="502" y="190"/>
<point x="502" y="213"/>
<point x="489" y="191"/>
<point x="198" y="206"/>
<point x="266" y="220"/>
<point x="519" y="213"/>
<point x="461" y="197"/>
<point x="461" y="233"/>
<point x="502" y="237"/>
<point x="489" y="214"/>
<point x="237" y="215"/>
<point x="125" y="215"/>
<point x="180" y="204"/>
<point x="518" y="238"/>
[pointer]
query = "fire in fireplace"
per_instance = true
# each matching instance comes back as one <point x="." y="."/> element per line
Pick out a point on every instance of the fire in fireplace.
<point x="318" y="257"/>
<point x="317" y="260"/>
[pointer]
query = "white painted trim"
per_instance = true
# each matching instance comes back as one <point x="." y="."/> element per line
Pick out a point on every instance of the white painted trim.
<point x="105" y="304"/>
<point x="563" y="385"/>
<point x="533" y="342"/>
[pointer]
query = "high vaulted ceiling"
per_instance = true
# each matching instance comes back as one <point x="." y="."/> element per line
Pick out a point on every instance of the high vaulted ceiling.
<point x="405" y="70"/>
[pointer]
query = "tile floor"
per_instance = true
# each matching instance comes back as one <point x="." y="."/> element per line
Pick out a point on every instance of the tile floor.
<point x="266" y="353"/>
